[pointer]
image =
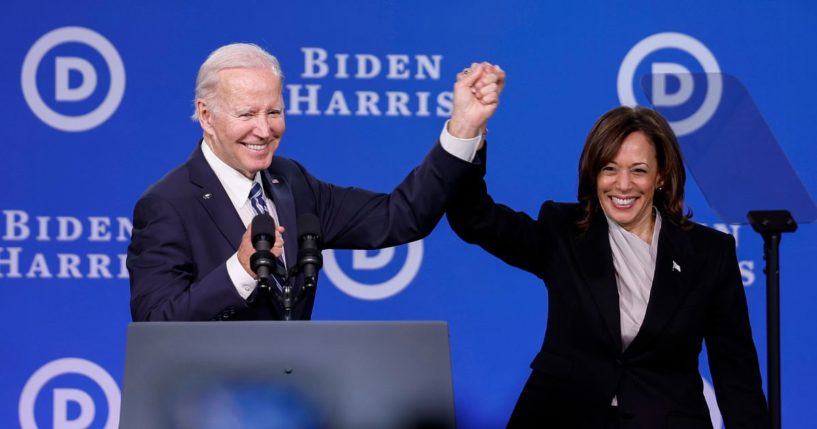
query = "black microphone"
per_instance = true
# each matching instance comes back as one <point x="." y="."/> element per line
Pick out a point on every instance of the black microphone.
<point x="309" y="253"/>
<point x="262" y="262"/>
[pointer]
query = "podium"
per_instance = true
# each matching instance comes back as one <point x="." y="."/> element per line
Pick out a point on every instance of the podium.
<point x="309" y="374"/>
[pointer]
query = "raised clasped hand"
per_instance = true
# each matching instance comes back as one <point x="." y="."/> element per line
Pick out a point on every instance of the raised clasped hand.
<point x="476" y="96"/>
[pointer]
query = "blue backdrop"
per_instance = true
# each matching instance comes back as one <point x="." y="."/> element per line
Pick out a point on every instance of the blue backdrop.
<point x="96" y="98"/>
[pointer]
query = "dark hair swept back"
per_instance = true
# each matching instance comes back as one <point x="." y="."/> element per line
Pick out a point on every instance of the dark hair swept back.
<point x="603" y="143"/>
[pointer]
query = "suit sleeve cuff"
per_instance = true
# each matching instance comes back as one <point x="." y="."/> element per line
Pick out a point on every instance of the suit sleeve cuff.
<point x="464" y="149"/>
<point x="243" y="282"/>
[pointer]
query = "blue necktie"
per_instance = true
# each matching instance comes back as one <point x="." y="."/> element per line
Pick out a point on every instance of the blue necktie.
<point x="259" y="205"/>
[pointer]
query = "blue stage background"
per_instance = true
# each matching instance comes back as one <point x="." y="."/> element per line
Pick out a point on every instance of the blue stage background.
<point x="67" y="196"/>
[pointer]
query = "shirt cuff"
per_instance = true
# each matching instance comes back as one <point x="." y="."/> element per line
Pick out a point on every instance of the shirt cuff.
<point x="243" y="282"/>
<point x="464" y="149"/>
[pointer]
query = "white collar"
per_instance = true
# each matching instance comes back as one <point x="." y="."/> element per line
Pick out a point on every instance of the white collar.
<point x="235" y="184"/>
<point x="615" y="226"/>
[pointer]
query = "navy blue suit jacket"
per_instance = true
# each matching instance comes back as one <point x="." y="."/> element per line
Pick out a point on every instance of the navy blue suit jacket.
<point x="185" y="228"/>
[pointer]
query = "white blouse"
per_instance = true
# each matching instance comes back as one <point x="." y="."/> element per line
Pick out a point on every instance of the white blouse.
<point x="634" y="261"/>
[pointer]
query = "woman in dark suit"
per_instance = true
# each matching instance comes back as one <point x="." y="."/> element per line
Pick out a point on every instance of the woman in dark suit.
<point x="634" y="288"/>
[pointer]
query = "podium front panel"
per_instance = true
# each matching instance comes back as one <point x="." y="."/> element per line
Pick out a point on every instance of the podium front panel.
<point x="288" y="374"/>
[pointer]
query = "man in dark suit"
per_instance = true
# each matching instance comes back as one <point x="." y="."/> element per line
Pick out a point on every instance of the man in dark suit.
<point x="189" y="257"/>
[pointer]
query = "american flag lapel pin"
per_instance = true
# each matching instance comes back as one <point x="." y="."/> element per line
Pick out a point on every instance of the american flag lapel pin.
<point x="676" y="267"/>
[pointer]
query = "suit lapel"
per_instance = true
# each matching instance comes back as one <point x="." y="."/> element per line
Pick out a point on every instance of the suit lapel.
<point x="675" y="265"/>
<point x="281" y="194"/>
<point x="596" y="260"/>
<point x="213" y="198"/>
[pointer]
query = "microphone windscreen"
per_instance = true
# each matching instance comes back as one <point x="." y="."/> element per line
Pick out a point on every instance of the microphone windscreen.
<point x="263" y="226"/>
<point x="308" y="224"/>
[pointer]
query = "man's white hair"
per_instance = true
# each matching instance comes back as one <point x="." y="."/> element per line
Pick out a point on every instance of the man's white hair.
<point x="232" y="56"/>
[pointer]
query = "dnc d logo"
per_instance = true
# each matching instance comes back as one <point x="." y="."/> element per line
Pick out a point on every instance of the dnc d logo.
<point x="73" y="388"/>
<point x="63" y="82"/>
<point x="672" y="61"/>
<point x="376" y="274"/>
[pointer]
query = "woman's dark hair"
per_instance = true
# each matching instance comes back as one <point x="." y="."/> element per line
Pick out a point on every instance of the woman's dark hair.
<point x="603" y="143"/>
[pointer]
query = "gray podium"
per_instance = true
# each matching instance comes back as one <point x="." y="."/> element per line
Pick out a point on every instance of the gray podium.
<point x="312" y="374"/>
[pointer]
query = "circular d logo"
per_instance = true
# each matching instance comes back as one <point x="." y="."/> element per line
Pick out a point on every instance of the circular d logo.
<point x="660" y="70"/>
<point x="360" y="261"/>
<point x="61" y="397"/>
<point x="63" y="67"/>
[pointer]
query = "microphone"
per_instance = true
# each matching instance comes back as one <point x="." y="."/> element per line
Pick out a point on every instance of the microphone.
<point x="262" y="262"/>
<point x="309" y="254"/>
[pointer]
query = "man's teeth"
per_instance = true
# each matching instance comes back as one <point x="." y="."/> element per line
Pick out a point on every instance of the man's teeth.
<point x="623" y="201"/>
<point x="256" y="146"/>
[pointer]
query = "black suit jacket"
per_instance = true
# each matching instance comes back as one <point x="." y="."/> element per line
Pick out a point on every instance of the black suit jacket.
<point x="581" y="365"/>
<point x="185" y="228"/>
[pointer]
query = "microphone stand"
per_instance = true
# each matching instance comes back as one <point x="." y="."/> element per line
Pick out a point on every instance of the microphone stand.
<point x="278" y="277"/>
<point x="269" y="268"/>
<point x="771" y="224"/>
<point x="288" y="299"/>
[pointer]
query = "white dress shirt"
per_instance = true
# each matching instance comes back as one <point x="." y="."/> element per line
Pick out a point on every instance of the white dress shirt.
<point x="238" y="190"/>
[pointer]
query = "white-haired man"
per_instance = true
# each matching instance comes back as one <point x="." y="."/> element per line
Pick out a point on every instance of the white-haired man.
<point x="189" y="257"/>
